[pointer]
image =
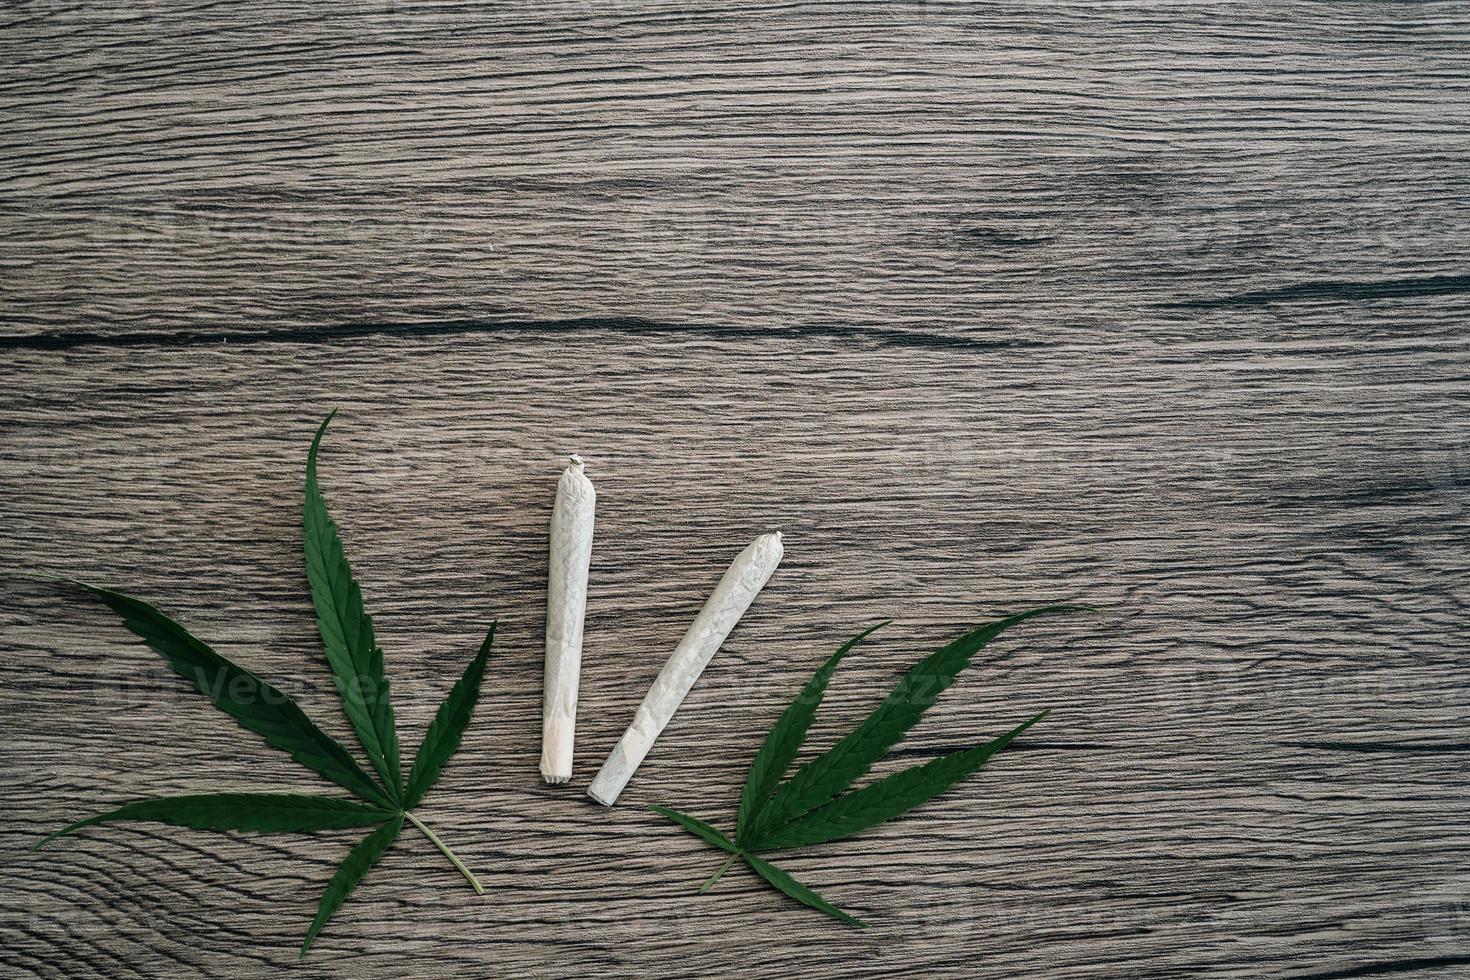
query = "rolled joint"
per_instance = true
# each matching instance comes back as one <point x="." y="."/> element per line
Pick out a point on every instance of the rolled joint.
<point x="736" y="590"/>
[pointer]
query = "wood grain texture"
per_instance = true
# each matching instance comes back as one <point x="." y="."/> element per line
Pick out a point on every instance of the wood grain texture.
<point x="1159" y="307"/>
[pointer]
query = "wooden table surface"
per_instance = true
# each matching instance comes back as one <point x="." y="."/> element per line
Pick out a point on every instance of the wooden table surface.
<point x="1158" y="307"/>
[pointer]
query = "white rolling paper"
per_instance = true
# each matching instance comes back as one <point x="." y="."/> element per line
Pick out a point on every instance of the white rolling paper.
<point x="738" y="588"/>
<point x="566" y="610"/>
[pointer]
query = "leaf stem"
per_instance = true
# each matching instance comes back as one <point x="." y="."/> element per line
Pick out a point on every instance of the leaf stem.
<point x="453" y="859"/>
<point x="723" y="868"/>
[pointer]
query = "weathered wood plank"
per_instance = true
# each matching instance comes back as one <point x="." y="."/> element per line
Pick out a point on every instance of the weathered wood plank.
<point x="1280" y="560"/>
<point x="1158" y="306"/>
<point x="987" y="168"/>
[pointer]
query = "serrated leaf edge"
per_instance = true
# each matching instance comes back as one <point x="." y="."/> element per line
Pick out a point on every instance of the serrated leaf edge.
<point x="346" y="629"/>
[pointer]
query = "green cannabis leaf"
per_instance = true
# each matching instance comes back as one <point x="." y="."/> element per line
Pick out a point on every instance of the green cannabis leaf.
<point x="347" y="633"/>
<point x="357" y="667"/>
<point x="813" y="806"/>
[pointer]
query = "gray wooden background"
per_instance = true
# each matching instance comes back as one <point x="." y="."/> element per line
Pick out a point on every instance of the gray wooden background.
<point x="1160" y="307"/>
